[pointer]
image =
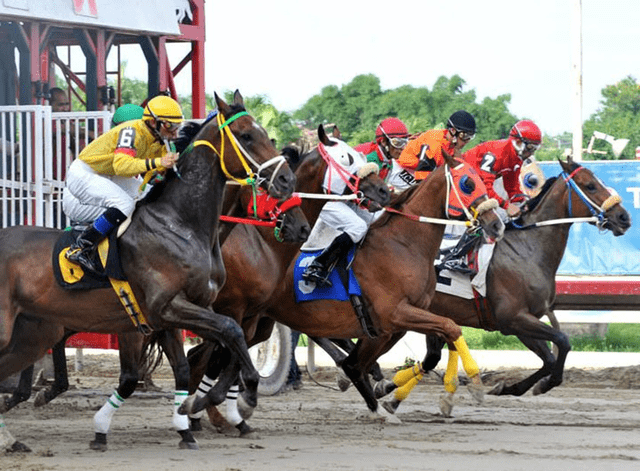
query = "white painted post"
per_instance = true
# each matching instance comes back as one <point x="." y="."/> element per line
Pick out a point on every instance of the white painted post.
<point x="576" y="69"/>
<point x="311" y="355"/>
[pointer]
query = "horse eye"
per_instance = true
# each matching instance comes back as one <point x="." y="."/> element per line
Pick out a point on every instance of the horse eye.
<point x="246" y="137"/>
<point x="467" y="185"/>
<point x="591" y="187"/>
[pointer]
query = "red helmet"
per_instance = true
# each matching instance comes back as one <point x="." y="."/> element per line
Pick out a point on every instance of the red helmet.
<point x="529" y="133"/>
<point x="391" y="127"/>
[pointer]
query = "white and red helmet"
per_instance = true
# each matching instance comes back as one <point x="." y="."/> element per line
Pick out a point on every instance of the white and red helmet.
<point x="391" y="127"/>
<point x="529" y="136"/>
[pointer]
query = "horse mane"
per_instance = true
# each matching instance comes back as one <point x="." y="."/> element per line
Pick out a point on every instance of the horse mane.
<point x="397" y="200"/>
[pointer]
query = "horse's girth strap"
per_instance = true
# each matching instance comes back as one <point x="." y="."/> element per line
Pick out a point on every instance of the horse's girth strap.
<point x="125" y="294"/>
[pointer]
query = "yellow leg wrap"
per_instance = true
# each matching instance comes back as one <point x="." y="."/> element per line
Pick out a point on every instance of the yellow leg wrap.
<point x="401" y="393"/>
<point x="403" y="376"/>
<point x="468" y="363"/>
<point x="451" y="375"/>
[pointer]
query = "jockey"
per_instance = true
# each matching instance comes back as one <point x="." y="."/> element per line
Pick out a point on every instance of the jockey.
<point x="504" y="158"/>
<point x="102" y="184"/>
<point x="391" y="137"/>
<point x="423" y="155"/>
<point x="346" y="217"/>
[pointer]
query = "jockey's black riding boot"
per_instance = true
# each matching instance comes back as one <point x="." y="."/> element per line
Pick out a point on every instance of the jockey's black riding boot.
<point x="318" y="271"/>
<point x="456" y="260"/>
<point x="83" y="249"/>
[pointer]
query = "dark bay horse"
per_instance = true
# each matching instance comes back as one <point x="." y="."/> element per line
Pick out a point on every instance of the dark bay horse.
<point x="170" y="252"/>
<point x="256" y="264"/>
<point x="521" y="278"/>
<point x="395" y="268"/>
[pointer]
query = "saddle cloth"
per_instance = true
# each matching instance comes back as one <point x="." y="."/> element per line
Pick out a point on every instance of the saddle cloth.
<point x="343" y="280"/>
<point x="71" y="276"/>
<point x="460" y="284"/>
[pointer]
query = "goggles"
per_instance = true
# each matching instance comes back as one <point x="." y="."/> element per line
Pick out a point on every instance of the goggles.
<point x="530" y="146"/>
<point x="171" y="127"/>
<point x="397" y="142"/>
<point x="463" y="136"/>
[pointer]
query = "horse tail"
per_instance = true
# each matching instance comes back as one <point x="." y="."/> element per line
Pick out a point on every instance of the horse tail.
<point x="152" y="353"/>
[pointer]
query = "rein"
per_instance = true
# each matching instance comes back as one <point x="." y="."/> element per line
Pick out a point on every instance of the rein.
<point x="342" y="172"/>
<point x="598" y="211"/>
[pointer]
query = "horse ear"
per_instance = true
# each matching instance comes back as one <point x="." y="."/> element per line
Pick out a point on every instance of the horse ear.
<point x="566" y="166"/>
<point x="237" y="98"/>
<point x="336" y="132"/>
<point x="322" y="136"/>
<point x="221" y="105"/>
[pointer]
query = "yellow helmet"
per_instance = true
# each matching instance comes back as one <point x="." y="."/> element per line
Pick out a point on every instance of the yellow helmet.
<point x="163" y="108"/>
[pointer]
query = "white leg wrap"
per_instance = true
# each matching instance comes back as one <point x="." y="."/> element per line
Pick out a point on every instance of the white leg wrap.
<point x="6" y="439"/>
<point x="102" y="419"/>
<point x="233" y="415"/>
<point x="180" y="422"/>
<point x="203" y="388"/>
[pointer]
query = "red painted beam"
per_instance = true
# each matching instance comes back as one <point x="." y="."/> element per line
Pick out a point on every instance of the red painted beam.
<point x="599" y="286"/>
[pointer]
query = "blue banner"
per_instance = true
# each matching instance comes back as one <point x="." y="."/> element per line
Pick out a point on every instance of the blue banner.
<point x="590" y="252"/>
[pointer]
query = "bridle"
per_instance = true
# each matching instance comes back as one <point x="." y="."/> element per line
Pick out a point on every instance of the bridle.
<point x="253" y="179"/>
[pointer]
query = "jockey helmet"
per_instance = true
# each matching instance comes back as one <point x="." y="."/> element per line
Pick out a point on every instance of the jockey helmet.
<point x="394" y="130"/>
<point x="163" y="108"/>
<point x="462" y="121"/>
<point x="525" y="135"/>
<point x="127" y="113"/>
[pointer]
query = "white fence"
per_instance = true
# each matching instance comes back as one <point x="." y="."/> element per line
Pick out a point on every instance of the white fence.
<point x="36" y="148"/>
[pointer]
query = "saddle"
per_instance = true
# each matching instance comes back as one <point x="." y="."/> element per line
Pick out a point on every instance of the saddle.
<point x="71" y="276"/>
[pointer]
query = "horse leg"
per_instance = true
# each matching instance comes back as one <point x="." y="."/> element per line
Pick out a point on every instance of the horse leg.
<point x="130" y="346"/>
<point x="21" y="393"/>
<point x="348" y="345"/>
<point x="60" y="374"/>
<point x="534" y="334"/>
<point x="216" y="327"/>
<point x="172" y="346"/>
<point x="206" y="360"/>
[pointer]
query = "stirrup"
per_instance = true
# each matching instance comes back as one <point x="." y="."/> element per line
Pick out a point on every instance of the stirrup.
<point x="81" y="256"/>
<point x="458" y="266"/>
<point x="317" y="275"/>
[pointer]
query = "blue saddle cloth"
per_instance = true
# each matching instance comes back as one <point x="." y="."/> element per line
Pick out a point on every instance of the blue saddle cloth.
<point x="344" y="282"/>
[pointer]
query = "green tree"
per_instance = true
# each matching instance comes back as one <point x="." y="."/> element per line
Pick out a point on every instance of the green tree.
<point x="618" y="116"/>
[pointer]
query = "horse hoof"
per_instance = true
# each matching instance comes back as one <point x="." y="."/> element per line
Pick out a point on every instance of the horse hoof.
<point x="188" y="445"/>
<point x="497" y="389"/>
<point x="40" y="399"/>
<point x="245" y="410"/>
<point x="477" y="392"/>
<point x="18" y="447"/>
<point x="187" y="406"/>
<point x="389" y="417"/>
<point x="383" y="387"/>
<point x="391" y="406"/>
<point x="4" y="404"/>
<point x="446" y="404"/>
<point x="343" y="381"/>
<point x="99" y="443"/>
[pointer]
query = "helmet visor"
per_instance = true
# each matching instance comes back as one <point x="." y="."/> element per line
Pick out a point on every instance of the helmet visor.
<point x="531" y="146"/>
<point x="171" y="127"/>
<point x="464" y="136"/>
<point x="397" y="142"/>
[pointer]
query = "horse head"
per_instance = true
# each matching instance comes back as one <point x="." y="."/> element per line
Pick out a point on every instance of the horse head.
<point x="285" y="216"/>
<point x="597" y="200"/>
<point x="361" y="177"/>
<point x="245" y="150"/>
<point x="467" y="198"/>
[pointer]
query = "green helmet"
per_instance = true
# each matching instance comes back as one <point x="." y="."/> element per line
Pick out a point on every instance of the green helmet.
<point x="127" y="113"/>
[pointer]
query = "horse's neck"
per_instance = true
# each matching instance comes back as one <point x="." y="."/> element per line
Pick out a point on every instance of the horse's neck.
<point x="310" y="178"/>
<point x="545" y="246"/>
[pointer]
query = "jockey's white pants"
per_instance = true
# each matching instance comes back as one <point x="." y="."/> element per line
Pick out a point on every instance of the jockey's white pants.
<point x="347" y="217"/>
<point x="88" y="194"/>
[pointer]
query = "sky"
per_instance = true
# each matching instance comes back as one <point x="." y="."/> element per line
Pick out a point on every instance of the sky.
<point x="289" y="50"/>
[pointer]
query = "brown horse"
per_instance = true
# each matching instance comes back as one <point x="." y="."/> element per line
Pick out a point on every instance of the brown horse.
<point x="521" y="280"/>
<point x="170" y="252"/>
<point x="256" y="263"/>
<point x="395" y="268"/>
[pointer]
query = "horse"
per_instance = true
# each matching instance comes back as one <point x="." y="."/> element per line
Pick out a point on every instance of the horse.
<point x="170" y="254"/>
<point x="256" y="263"/>
<point x="521" y="281"/>
<point x="394" y="265"/>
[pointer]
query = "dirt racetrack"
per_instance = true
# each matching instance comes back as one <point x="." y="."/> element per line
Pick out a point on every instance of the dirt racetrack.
<point x="591" y="422"/>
